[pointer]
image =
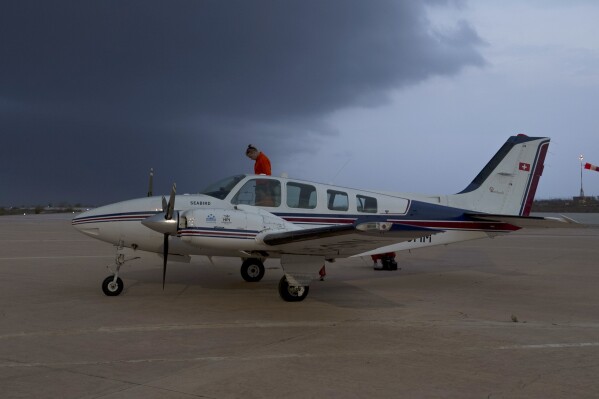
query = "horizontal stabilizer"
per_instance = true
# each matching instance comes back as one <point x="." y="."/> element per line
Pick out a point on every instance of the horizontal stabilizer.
<point x="528" y="222"/>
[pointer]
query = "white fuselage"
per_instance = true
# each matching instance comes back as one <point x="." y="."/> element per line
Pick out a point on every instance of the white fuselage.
<point x="231" y="220"/>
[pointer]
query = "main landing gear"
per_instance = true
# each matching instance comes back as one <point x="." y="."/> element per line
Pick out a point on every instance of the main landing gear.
<point x="252" y="270"/>
<point x="291" y="293"/>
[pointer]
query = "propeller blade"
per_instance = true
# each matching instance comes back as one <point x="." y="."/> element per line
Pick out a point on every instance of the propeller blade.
<point x="165" y="256"/>
<point x="171" y="203"/>
<point x="168" y="209"/>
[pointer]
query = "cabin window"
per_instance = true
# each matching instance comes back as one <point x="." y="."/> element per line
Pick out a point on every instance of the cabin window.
<point x="301" y="196"/>
<point x="259" y="192"/>
<point x="337" y="200"/>
<point x="366" y="204"/>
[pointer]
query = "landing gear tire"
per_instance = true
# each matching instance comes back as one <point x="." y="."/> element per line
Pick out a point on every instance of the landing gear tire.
<point x="252" y="270"/>
<point x="111" y="287"/>
<point x="291" y="293"/>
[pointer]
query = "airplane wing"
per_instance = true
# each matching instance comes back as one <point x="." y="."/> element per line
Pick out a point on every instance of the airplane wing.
<point x="528" y="222"/>
<point x="343" y="240"/>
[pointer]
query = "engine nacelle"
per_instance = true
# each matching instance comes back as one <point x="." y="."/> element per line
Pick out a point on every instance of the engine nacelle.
<point x="236" y="228"/>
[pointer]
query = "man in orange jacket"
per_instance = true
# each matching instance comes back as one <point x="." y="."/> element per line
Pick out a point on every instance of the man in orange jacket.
<point x="262" y="165"/>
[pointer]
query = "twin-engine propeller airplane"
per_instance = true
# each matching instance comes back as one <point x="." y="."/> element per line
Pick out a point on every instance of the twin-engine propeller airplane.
<point x="255" y="217"/>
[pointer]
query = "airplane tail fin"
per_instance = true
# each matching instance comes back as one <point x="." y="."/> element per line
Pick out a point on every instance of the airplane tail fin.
<point x="508" y="183"/>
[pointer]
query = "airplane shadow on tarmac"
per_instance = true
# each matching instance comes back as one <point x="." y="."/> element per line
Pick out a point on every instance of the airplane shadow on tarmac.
<point x="340" y="293"/>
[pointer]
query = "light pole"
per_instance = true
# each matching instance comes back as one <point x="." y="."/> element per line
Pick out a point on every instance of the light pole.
<point x="581" y="190"/>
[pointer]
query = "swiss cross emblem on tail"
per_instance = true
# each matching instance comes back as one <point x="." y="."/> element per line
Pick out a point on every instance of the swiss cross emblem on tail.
<point x="524" y="166"/>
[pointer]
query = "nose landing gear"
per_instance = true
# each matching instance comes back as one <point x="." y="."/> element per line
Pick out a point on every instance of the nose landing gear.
<point x="113" y="285"/>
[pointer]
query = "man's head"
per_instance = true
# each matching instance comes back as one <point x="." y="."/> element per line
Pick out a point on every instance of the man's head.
<point x="252" y="152"/>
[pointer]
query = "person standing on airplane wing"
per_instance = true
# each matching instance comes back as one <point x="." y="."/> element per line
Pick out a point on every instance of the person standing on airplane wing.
<point x="264" y="194"/>
<point x="262" y="165"/>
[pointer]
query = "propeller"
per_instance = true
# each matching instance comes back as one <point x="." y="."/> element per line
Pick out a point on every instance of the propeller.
<point x="165" y="254"/>
<point x="171" y="203"/>
<point x="168" y="209"/>
<point x="165" y="223"/>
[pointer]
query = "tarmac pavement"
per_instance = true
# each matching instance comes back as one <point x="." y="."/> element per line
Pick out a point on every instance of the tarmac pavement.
<point x="516" y="316"/>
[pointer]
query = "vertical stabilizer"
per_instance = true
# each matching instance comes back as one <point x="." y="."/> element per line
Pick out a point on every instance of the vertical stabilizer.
<point x="508" y="183"/>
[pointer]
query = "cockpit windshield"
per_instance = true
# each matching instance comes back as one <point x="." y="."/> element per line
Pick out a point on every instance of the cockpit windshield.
<point x="223" y="187"/>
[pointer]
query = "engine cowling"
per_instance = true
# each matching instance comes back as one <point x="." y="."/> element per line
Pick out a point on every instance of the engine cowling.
<point x="238" y="228"/>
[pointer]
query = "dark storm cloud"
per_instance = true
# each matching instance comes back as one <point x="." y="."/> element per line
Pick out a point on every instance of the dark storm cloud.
<point x="94" y="93"/>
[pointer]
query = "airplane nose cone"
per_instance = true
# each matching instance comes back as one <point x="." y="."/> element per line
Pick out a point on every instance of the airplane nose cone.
<point x="112" y="222"/>
<point x="84" y="222"/>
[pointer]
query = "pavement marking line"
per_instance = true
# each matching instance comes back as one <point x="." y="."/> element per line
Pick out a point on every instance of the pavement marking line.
<point x="270" y="356"/>
<point x="164" y="328"/>
<point x="104" y="362"/>
<point x="251" y="358"/>
<point x="239" y="324"/>
<point x="57" y="257"/>
<point x="546" y="346"/>
<point x="43" y="240"/>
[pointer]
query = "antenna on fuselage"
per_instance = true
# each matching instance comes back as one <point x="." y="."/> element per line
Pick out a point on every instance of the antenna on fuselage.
<point x="340" y="169"/>
<point x="151" y="182"/>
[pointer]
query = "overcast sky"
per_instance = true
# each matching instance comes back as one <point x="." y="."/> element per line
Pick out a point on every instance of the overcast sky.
<point x="407" y="96"/>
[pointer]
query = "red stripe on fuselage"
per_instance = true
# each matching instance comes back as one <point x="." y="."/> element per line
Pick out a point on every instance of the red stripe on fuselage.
<point x="111" y="219"/>
<point x="216" y="233"/>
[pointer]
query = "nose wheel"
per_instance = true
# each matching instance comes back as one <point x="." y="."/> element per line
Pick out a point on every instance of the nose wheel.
<point x="112" y="286"/>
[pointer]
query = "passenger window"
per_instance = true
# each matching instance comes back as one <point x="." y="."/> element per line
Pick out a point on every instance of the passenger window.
<point x="337" y="200"/>
<point x="301" y="196"/>
<point x="259" y="192"/>
<point x="366" y="204"/>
